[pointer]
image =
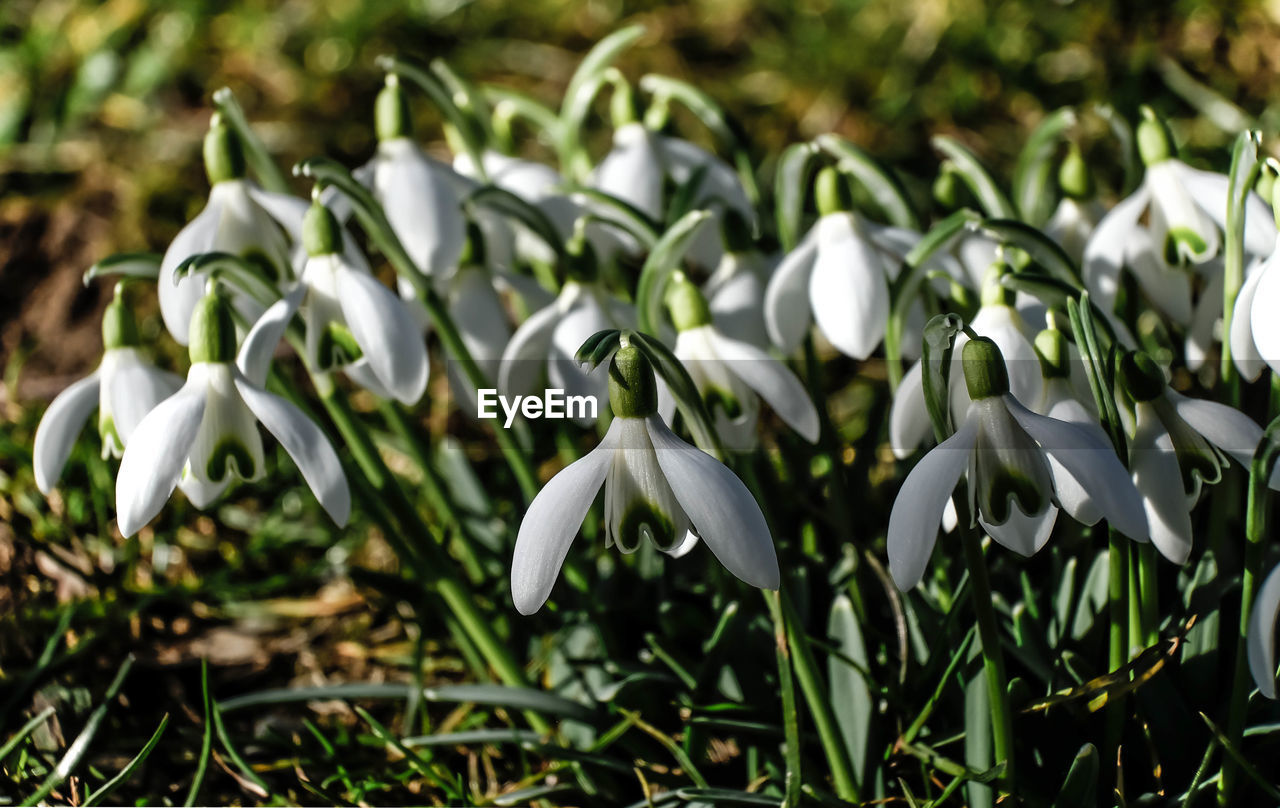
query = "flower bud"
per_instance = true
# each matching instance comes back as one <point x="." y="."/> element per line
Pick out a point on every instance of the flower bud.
<point x="1155" y="143"/>
<point x="687" y="305"/>
<point x="633" y="391"/>
<point x="391" y="111"/>
<point x="623" y="108"/>
<point x="831" y="192"/>
<point x="321" y="234"/>
<point x="1051" y="348"/>
<point x="1074" y="177"/>
<point x="213" y="331"/>
<point x="223" y="154"/>
<point x="1141" y="376"/>
<point x="119" y="326"/>
<point x="985" y="374"/>
<point x="946" y="187"/>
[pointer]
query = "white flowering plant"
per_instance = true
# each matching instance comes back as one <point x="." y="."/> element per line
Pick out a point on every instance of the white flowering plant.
<point x="682" y="472"/>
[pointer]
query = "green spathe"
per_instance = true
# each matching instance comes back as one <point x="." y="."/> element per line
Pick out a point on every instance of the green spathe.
<point x="687" y="305"/>
<point x="213" y="330"/>
<point x="1155" y="143"/>
<point x="985" y="374"/>
<point x="633" y="391"/>
<point x="831" y="192"/>
<point x="391" y="111"/>
<point x="1051" y="348"/>
<point x="119" y="326"/>
<point x="223" y="154"/>
<point x="1141" y="376"/>
<point x="1074" y="177"/>
<point x="321" y="234"/>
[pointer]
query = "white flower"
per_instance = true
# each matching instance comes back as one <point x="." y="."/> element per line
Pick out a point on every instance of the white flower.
<point x="1072" y="223"/>
<point x="206" y="433"/>
<point x="1005" y="451"/>
<point x="549" y="340"/>
<point x="735" y="294"/>
<point x="657" y="487"/>
<point x="1255" y="328"/>
<point x="1261" y="635"/>
<point x="353" y="322"/>
<point x="124" y="388"/>
<point x="1174" y="446"/>
<point x="1005" y="325"/>
<point x="640" y="162"/>
<point x="1185" y="212"/>
<point x="240" y="218"/>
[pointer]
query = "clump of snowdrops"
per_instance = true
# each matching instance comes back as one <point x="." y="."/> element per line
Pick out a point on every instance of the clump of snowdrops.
<point x="992" y="452"/>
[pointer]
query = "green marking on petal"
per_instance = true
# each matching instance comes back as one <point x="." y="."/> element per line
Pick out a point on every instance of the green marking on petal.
<point x="1198" y="460"/>
<point x="263" y="263"/>
<point x="1183" y="241"/>
<point x="337" y="347"/>
<point x="229" y="451"/>
<point x="1004" y="485"/>
<point x="643" y="520"/>
<point x="112" y="444"/>
<point x="725" y="400"/>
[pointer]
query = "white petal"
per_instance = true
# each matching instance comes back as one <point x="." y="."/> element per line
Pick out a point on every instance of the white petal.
<point x="154" y="458"/>
<point x="228" y="424"/>
<point x="134" y="387"/>
<point x="1225" y="427"/>
<point x="478" y="312"/>
<point x="287" y="210"/>
<point x="386" y="332"/>
<point x="1092" y="464"/>
<point x="771" y="380"/>
<point x="918" y="508"/>
<point x="848" y="289"/>
<point x="909" y="424"/>
<point x="719" y="184"/>
<point x="1209" y="190"/>
<point x="525" y="357"/>
<point x="1261" y="637"/>
<point x="1206" y="321"/>
<point x="735" y="296"/>
<point x="722" y="510"/>
<point x="259" y="345"/>
<point x="1173" y="206"/>
<point x="632" y="170"/>
<point x="1105" y="253"/>
<point x="636" y="480"/>
<point x="306" y="444"/>
<point x="59" y="429"/>
<point x="1158" y="478"/>
<point x="1266" y="303"/>
<point x="1244" y="352"/>
<point x="203" y="493"/>
<point x="552" y="522"/>
<point x="1169" y="288"/>
<point x="1023" y="534"/>
<point x="178" y="302"/>
<point x="786" y="300"/>
<point x="422" y="205"/>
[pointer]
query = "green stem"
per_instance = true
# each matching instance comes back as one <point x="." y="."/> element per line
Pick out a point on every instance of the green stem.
<point x="1149" y="591"/>
<point x="1255" y="533"/>
<point x="432" y="562"/>
<point x="992" y="655"/>
<point x="817" y="696"/>
<point x="1117" y="609"/>
<point x="790" y="714"/>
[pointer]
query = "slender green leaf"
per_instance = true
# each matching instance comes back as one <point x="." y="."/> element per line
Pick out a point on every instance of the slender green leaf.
<point x="1080" y="789"/>
<point x="1034" y="189"/>
<point x="143" y="265"/>
<point x="264" y="166"/>
<point x="879" y="180"/>
<point x="790" y="189"/>
<point x="975" y="175"/>
<point x="664" y="259"/>
<point x="123" y="776"/>
<point x="508" y="204"/>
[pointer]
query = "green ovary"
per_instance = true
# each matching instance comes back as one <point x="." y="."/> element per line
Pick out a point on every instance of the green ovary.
<point x="726" y="401"/>
<point x="337" y="347"/>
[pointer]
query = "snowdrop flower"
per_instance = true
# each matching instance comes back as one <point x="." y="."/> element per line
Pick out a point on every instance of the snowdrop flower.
<point x="641" y="161"/>
<point x="353" y="322"/>
<point x="240" y="218"/>
<point x="550" y="338"/>
<point x="206" y="433"/>
<point x="1079" y="211"/>
<point x="1175" y="444"/>
<point x="996" y="319"/>
<point x="656" y="488"/>
<point x="735" y="289"/>
<point x="1004" y="450"/>
<point x="837" y="276"/>
<point x="1185" y="211"/>
<point x="732" y="376"/>
<point x="422" y="197"/>
<point x="124" y="388"/>
<point x="1255" y="332"/>
<point x="1261" y="635"/>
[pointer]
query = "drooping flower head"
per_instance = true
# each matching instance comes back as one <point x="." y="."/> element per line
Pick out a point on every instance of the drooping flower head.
<point x="241" y="219"/>
<point x="206" y="434"/>
<point x="657" y="488"/>
<point x="124" y="388"/>
<point x="1014" y="491"/>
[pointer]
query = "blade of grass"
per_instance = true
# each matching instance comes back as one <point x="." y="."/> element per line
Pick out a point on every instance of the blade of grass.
<point x="206" y="745"/>
<point x="129" y="768"/>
